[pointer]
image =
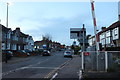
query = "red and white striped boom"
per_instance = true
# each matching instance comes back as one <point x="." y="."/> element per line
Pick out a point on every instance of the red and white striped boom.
<point x="95" y="25"/>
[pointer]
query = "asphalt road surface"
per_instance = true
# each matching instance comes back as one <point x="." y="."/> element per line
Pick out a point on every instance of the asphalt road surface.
<point x="54" y="66"/>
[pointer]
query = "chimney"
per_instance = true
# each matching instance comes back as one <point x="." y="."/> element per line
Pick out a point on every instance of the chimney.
<point x="18" y="28"/>
<point x="103" y="28"/>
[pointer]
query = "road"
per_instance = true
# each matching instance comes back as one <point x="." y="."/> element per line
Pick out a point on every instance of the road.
<point x="48" y="67"/>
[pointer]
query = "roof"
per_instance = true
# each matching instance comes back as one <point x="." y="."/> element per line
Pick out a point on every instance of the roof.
<point x="20" y="33"/>
<point x="5" y="29"/>
<point x="37" y="41"/>
<point x="114" y="25"/>
<point x="23" y="35"/>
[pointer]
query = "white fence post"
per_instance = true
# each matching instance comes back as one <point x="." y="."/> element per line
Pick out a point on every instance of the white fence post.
<point x="106" y="61"/>
<point x="82" y="60"/>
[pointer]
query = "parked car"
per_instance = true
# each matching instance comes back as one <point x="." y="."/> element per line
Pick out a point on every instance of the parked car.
<point x="29" y="52"/>
<point x="68" y="54"/>
<point x="46" y="53"/>
<point x="21" y="53"/>
<point x="26" y="52"/>
<point x="11" y="53"/>
<point x="6" y="55"/>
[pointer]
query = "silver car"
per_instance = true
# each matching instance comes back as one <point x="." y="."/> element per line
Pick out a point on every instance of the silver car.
<point x="68" y="54"/>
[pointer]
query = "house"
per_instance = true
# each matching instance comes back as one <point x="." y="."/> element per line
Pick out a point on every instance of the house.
<point x="47" y="44"/>
<point x="110" y="37"/>
<point x="91" y="40"/>
<point x="19" y="40"/>
<point x="30" y="43"/>
<point x="6" y="37"/>
<point x="15" y="40"/>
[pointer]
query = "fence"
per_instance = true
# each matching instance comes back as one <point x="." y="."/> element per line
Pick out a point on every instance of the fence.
<point x="100" y="60"/>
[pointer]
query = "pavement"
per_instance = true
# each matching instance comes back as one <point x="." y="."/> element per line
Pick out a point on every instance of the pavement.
<point x="94" y="75"/>
<point x="70" y="71"/>
<point x="89" y="74"/>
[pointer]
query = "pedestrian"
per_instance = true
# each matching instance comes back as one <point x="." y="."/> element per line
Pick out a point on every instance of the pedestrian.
<point x="6" y="58"/>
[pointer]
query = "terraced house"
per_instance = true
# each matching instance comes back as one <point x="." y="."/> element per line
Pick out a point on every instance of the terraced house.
<point x="16" y="40"/>
<point x="110" y="37"/>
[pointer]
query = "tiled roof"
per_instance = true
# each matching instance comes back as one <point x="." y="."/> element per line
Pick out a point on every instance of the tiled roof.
<point x="114" y="25"/>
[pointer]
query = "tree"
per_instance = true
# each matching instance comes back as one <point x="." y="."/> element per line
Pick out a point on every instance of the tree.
<point x="75" y="48"/>
<point x="47" y="38"/>
<point x="72" y="47"/>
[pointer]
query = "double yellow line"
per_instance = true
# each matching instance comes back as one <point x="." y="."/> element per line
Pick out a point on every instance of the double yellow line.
<point x="53" y="71"/>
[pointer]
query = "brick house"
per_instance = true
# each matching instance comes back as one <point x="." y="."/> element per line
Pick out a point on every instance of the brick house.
<point x="49" y="45"/>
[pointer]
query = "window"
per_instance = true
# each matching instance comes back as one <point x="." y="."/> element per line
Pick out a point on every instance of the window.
<point x="116" y="31"/>
<point x="103" y="41"/>
<point x="8" y="35"/>
<point x="107" y="40"/>
<point x="108" y="33"/>
<point x="115" y="34"/>
<point x="16" y="38"/>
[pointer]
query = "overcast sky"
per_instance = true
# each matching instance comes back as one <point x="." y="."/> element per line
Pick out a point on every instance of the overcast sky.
<point x="56" y="18"/>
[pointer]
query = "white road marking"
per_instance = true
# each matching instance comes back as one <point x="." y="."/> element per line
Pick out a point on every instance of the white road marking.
<point x="59" y="67"/>
<point x="43" y="67"/>
<point x="54" y="76"/>
<point x="80" y="74"/>
<point x="30" y="66"/>
<point x="14" y="70"/>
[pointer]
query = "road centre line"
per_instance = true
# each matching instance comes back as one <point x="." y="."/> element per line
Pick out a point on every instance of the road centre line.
<point x="80" y="74"/>
<point x="60" y="67"/>
<point x="54" y="76"/>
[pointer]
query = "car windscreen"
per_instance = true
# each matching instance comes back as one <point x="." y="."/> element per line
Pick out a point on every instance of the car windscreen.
<point x="68" y="52"/>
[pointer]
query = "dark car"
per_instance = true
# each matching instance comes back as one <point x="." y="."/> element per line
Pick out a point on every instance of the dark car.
<point x="46" y="53"/>
<point x="68" y="54"/>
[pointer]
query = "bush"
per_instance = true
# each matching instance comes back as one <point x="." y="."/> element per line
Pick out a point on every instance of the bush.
<point x="111" y="69"/>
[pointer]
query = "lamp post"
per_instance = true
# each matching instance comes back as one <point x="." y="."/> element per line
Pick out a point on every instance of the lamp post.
<point x="7" y="23"/>
<point x="6" y="32"/>
<point x="7" y="15"/>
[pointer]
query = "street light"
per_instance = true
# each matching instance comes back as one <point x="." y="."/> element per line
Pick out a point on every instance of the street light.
<point x="8" y="3"/>
<point x="7" y="15"/>
<point x="7" y="32"/>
